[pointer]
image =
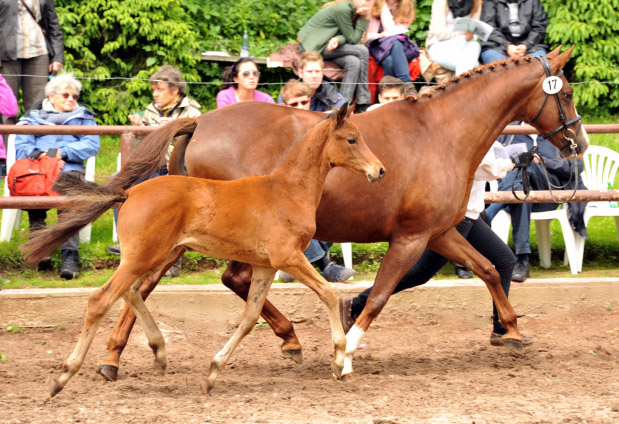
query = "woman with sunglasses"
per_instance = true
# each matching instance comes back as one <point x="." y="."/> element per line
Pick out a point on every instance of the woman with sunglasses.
<point x="239" y="84"/>
<point x="60" y="107"/>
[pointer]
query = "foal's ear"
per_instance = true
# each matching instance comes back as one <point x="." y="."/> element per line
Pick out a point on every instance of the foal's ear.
<point x="342" y="114"/>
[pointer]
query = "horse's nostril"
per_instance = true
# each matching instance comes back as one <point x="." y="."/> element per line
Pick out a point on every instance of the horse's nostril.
<point x="382" y="172"/>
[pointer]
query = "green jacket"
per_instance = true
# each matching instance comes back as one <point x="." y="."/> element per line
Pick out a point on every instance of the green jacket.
<point x="332" y="21"/>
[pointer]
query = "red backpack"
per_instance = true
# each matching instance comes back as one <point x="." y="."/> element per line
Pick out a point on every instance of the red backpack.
<point x="33" y="177"/>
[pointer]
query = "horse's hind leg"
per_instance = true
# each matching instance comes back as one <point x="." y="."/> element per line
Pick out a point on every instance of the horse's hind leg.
<point x="260" y="283"/>
<point x="237" y="278"/>
<point x="99" y="303"/>
<point x="453" y="246"/>
<point x="117" y="341"/>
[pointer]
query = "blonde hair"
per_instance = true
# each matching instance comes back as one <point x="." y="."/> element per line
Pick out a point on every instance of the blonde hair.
<point x="311" y="56"/>
<point x="404" y="12"/>
<point x="295" y="88"/>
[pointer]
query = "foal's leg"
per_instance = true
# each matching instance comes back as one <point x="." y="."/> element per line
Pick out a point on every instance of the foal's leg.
<point x="260" y="283"/>
<point x="117" y="341"/>
<point x="237" y="277"/>
<point x="99" y="303"/>
<point x="453" y="246"/>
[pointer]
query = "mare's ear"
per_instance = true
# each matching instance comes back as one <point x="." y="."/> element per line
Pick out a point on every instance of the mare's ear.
<point x="560" y="61"/>
<point x="342" y="114"/>
<point x="554" y="52"/>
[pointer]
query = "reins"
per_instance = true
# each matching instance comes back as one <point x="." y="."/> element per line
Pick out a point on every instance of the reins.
<point x="569" y="135"/>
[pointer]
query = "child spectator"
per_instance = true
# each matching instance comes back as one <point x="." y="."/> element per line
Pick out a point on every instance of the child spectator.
<point x="296" y="94"/>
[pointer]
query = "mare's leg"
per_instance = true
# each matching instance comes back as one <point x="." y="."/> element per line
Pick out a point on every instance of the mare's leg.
<point x="454" y="247"/>
<point x="403" y="252"/>
<point x="99" y="303"/>
<point x="117" y="341"/>
<point x="260" y="284"/>
<point x="299" y="267"/>
<point x="237" y="278"/>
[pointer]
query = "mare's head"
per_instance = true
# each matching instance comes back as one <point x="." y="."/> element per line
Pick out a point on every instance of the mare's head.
<point x="551" y="106"/>
<point x="346" y="148"/>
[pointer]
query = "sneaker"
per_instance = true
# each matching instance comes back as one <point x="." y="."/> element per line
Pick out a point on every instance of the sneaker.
<point x="284" y="276"/>
<point x="114" y="250"/>
<point x="335" y="273"/>
<point x="463" y="273"/>
<point x="174" y="271"/>
<point x="70" y="264"/>
<point x="496" y="339"/>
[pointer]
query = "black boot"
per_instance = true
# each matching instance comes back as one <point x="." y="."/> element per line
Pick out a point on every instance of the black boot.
<point x="70" y="263"/>
<point x="521" y="270"/>
<point x="463" y="272"/>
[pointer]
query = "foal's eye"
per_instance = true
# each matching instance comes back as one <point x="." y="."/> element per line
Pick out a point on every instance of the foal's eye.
<point x="352" y="141"/>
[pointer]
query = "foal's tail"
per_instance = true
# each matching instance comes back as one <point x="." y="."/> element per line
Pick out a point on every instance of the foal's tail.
<point x="91" y="201"/>
<point x="147" y="157"/>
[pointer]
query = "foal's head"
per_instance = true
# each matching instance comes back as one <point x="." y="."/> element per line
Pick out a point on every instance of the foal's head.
<point x="346" y="148"/>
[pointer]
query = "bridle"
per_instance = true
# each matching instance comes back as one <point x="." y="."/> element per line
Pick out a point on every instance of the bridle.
<point x="569" y="135"/>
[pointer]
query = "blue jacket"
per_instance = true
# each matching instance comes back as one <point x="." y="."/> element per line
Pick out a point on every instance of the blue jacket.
<point x="75" y="149"/>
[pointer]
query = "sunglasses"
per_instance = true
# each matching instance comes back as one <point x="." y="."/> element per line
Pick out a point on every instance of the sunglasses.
<point x="246" y="74"/>
<point x="67" y="95"/>
<point x="296" y="104"/>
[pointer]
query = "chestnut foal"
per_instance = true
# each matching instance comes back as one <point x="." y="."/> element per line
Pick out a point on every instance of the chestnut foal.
<point x="266" y="221"/>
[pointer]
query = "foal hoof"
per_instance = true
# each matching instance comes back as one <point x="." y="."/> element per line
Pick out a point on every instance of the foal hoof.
<point x="348" y="377"/>
<point x="160" y="367"/>
<point x="109" y="372"/>
<point x="294" y="354"/>
<point x="55" y="389"/>
<point x="205" y="387"/>
<point x="514" y="345"/>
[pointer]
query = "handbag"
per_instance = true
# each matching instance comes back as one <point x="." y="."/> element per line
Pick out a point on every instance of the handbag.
<point x="48" y="44"/>
<point x="380" y="48"/>
<point x="33" y="177"/>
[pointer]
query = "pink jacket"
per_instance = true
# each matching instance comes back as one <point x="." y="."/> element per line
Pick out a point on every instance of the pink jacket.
<point x="390" y="27"/>
<point x="8" y="107"/>
<point x="227" y="97"/>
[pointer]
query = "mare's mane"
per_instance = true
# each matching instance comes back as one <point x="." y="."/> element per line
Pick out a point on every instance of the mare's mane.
<point x="479" y="70"/>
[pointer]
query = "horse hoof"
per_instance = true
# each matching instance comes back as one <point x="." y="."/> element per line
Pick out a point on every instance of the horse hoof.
<point x="514" y="345"/>
<point x="337" y="371"/>
<point x="205" y="387"/>
<point x="348" y="377"/>
<point x="160" y="367"/>
<point x="109" y="372"/>
<point x="55" y="389"/>
<point x="294" y="354"/>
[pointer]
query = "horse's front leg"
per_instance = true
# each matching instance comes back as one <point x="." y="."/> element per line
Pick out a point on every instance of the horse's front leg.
<point x="453" y="246"/>
<point x="260" y="284"/>
<point x="117" y="341"/>
<point x="237" y="277"/>
<point x="403" y="252"/>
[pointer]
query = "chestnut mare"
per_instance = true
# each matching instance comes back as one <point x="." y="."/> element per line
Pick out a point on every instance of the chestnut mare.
<point x="431" y="145"/>
<point x="164" y="216"/>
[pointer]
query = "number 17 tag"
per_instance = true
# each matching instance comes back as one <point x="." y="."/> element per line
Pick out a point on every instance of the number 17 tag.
<point x="552" y="85"/>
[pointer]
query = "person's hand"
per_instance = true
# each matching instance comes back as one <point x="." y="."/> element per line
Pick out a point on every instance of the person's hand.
<point x="523" y="160"/>
<point x="165" y="121"/>
<point x="468" y="36"/>
<point x="521" y="49"/>
<point x="55" y="67"/>
<point x="332" y="44"/>
<point x="136" y="119"/>
<point x="512" y="50"/>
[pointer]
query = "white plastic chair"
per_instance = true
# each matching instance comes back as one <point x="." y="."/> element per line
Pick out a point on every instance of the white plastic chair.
<point x="502" y="222"/>
<point x="600" y="168"/>
<point x="11" y="218"/>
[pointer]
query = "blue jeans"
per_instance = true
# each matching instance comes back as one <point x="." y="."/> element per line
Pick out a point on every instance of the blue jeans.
<point x="354" y="59"/>
<point x="491" y="55"/>
<point x="396" y="64"/>
<point x="316" y="250"/>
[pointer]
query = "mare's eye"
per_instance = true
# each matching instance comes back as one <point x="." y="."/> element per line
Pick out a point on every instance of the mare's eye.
<point x="352" y="141"/>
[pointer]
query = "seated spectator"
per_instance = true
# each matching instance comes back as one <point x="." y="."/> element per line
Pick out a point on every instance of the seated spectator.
<point x="559" y="172"/>
<point x="8" y="108"/>
<point x="390" y="89"/>
<point x="519" y="29"/>
<point x="296" y="94"/>
<point x="387" y="31"/>
<point x="455" y="51"/>
<point x="334" y="32"/>
<point x="59" y="108"/>
<point x="170" y="102"/>
<point x="240" y="81"/>
<point x="324" y="91"/>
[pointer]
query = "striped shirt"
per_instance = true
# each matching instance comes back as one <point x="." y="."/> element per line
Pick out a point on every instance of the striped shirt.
<point x="30" y="38"/>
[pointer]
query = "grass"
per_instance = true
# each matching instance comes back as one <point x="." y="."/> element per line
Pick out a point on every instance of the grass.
<point x="97" y="265"/>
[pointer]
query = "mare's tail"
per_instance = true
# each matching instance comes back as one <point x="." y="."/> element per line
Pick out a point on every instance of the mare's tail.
<point x="147" y="157"/>
<point x="91" y="201"/>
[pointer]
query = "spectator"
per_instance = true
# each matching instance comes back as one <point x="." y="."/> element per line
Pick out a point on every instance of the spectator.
<point x="388" y="27"/>
<point x="60" y="107"/>
<point x="519" y="29"/>
<point x="477" y="232"/>
<point x="455" y="51"/>
<point x="32" y="47"/>
<point x="334" y="32"/>
<point x="239" y="84"/>
<point x="170" y="102"/>
<point x="559" y="172"/>
<point x="296" y="94"/>
<point x="324" y="91"/>
<point x="390" y="89"/>
<point x="8" y="108"/>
